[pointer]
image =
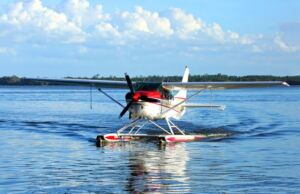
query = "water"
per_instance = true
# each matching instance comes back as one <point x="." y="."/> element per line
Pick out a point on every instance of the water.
<point x="47" y="145"/>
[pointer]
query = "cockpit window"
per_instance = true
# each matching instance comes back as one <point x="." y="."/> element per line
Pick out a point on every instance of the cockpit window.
<point x="167" y="94"/>
<point x="148" y="86"/>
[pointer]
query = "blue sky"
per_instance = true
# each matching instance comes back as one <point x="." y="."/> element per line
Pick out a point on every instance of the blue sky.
<point x="87" y="37"/>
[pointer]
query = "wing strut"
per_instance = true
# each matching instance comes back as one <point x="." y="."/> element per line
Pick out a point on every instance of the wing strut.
<point x="182" y="101"/>
<point x="107" y="95"/>
<point x="91" y="97"/>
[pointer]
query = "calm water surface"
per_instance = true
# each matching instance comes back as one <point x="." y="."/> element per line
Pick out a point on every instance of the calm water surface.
<point x="47" y="145"/>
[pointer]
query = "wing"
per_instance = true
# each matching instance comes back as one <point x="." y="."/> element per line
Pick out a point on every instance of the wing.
<point x="220" y="85"/>
<point x="85" y="82"/>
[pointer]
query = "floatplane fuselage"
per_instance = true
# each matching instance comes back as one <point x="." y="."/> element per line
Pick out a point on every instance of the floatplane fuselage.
<point x="154" y="102"/>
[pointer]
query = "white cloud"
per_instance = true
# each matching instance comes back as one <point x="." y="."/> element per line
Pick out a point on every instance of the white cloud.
<point x="34" y="16"/>
<point x="79" y="21"/>
<point x="83" y="15"/>
<point x="147" y="22"/>
<point x="283" y="45"/>
<point x="107" y="30"/>
<point x="288" y="39"/>
<point x="215" y="31"/>
<point x="185" y="25"/>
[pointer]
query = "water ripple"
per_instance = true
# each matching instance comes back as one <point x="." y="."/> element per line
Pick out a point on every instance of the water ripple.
<point x="48" y="146"/>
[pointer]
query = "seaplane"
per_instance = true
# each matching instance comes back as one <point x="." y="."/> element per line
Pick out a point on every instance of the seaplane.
<point x="149" y="102"/>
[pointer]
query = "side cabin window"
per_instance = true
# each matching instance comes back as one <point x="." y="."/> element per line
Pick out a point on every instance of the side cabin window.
<point x="167" y="94"/>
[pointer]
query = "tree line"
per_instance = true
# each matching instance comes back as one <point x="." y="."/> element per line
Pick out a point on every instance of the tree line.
<point x="292" y="80"/>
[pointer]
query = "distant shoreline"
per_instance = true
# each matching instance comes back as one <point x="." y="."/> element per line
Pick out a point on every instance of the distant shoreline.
<point x="292" y="80"/>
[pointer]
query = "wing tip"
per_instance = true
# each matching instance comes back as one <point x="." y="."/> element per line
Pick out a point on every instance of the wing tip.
<point x="285" y="84"/>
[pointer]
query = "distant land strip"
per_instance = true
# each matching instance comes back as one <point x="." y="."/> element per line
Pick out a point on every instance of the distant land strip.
<point x="292" y="80"/>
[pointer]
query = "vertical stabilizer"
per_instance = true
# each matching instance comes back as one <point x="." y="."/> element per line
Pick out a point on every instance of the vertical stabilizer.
<point x="185" y="77"/>
<point x="182" y="93"/>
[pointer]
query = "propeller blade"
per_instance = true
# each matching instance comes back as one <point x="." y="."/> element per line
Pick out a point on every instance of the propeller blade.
<point x="147" y="99"/>
<point x="125" y="109"/>
<point x="129" y="83"/>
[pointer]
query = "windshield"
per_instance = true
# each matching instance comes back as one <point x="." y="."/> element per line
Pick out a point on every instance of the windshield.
<point x="148" y="86"/>
<point x="154" y="86"/>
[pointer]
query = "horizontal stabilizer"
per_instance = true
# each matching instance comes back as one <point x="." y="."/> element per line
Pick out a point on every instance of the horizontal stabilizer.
<point x="221" y="107"/>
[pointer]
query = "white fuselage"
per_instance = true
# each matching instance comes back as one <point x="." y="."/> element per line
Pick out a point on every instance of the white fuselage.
<point x="157" y="110"/>
<point x="164" y="109"/>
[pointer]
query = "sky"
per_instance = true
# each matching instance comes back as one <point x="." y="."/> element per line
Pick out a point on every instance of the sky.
<point x="43" y="38"/>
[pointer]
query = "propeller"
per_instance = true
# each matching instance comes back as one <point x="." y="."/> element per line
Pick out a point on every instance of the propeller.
<point x="130" y="86"/>
<point x="129" y="83"/>
<point x="125" y="109"/>
<point x="132" y="92"/>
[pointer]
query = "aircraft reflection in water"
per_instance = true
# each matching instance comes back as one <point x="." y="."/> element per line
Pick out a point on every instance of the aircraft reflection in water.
<point x="156" y="170"/>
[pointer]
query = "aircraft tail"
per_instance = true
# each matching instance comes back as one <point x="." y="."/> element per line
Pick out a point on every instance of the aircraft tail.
<point x="183" y="93"/>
